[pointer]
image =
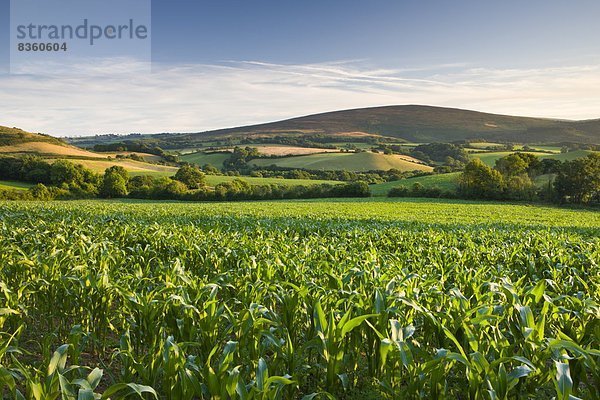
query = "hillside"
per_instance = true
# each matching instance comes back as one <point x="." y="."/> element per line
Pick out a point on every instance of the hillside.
<point x="428" y="124"/>
<point x="359" y="162"/>
<point x="16" y="136"/>
<point x="18" y="141"/>
<point x="414" y="123"/>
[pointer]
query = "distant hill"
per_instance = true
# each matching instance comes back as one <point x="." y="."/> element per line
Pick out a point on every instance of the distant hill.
<point x="16" y="142"/>
<point x="411" y="123"/>
<point x="415" y="123"/>
<point x="16" y="136"/>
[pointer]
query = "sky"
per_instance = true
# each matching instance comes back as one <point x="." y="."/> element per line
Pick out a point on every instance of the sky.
<point x="225" y="63"/>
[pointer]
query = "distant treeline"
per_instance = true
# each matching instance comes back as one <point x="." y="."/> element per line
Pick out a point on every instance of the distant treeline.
<point x="66" y="180"/>
<point x="371" y="177"/>
<point x="138" y="146"/>
<point x="239" y="163"/>
<point x="314" y="141"/>
<point x="419" y="190"/>
<point x="513" y="178"/>
<point x="146" y="187"/>
<point x="448" y="154"/>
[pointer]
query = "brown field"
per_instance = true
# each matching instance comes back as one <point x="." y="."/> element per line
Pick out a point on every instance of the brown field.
<point x="281" y="150"/>
<point x="51" y="149"/>
<point x="47" y="149"/>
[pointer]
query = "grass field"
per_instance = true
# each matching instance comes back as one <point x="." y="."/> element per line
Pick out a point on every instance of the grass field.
<point x="214" y="159"/>
<point x="447" y="182"/>
<point x="365" y="161"/>
<point x="572" y="155"/>
<point x="549" y="149"/>
<point x="279" y="300"/>
<point x="491" y="157"/>
<point x="9" y="185"/>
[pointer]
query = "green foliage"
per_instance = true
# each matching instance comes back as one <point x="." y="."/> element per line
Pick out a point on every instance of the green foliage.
<point x="130" y="145"/>
<point x="114" y="183"/>
<point x="512" y="165"/>
<point x="284" y="300"/>
<point x="480" y="181"/>
<point x="578" y="181"/>
<point x="239" y="158"/>
<point x="419" y="190"/>
<point x="448" y="153"/>
<point x="40" y="192"/>
<point x="447" y="182"/>
<point x="191" y="176"/>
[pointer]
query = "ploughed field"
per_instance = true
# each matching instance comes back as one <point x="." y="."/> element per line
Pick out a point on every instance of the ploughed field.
<point x="300" y="299"/>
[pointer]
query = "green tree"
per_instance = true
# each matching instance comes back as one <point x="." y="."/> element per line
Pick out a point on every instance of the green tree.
<point x="519" y="187"/>
<point x="114" y="182"/>
<point x="190" y="176"/>
<point x="175" y="189"/>
<point x="578" y="181"/>
<point x="63" y="171"/>
<point x="210" y="169"/>
<point x="40" y="192"/>
<point x="118" y="170"/>
<point x="480" y="181"/>
<point x="511" y="165"/>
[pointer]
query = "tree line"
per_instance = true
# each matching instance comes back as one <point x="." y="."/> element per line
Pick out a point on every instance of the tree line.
<point x="239" y="163"/>
<point x="513" y="178"/>
<point x="63" y="179"/>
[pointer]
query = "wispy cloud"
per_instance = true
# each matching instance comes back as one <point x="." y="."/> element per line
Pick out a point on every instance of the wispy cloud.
<point x="109" y="96"/>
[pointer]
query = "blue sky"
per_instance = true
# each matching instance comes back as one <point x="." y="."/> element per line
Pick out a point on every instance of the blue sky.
<point x="387" y="32"/>
<point x="227" y="63"/>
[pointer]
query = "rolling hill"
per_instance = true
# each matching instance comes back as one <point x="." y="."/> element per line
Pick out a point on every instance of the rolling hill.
<point x="16" y="142"/>
<point x="414" y="123"/>
<point x="428" y="124"/>
<point x="16" y="137"/>
<point x="359" y="162"/>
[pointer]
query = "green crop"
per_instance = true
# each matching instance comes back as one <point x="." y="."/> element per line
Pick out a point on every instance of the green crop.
<point x="299" y="300"/>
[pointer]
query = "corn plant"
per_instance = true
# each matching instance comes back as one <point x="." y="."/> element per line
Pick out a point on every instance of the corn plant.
<point x="299" y="299"/>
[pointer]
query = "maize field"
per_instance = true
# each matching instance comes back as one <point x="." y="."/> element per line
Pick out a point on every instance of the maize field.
<point x="346" y="299"/>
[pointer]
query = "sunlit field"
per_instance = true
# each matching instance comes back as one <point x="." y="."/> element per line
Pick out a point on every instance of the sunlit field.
<point x="299" y="299"/>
